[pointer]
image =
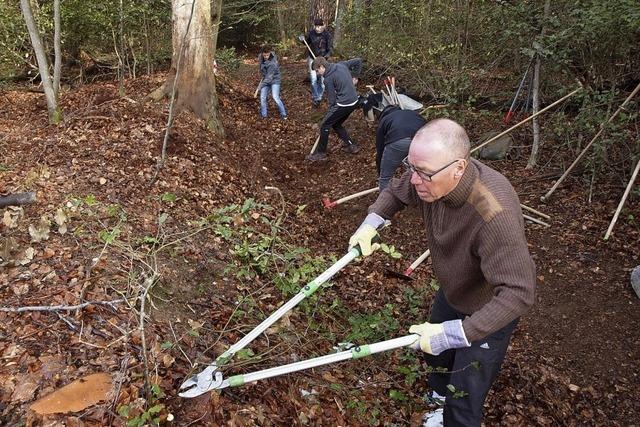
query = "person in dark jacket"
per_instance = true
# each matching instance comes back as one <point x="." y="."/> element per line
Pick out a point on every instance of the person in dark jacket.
<point x="396" y="128"/>
<point x="270" y="70"/>
<point x="319" y="41"/>
<point x="342" y="98"/>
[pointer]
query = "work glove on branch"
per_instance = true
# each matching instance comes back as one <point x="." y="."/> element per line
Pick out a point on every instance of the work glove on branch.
<point x="438" y="337"/>
<point x="301" y="38"/>
<point x="366" y="233"/>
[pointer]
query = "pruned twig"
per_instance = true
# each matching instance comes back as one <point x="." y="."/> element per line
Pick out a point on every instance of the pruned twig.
<point x="58" y="307"/>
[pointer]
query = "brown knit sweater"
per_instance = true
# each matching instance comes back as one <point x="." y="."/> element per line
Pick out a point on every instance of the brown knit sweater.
<point x="478" y="246"/>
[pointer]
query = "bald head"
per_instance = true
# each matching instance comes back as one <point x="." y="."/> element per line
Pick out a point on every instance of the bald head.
<point x="445" y="136"/>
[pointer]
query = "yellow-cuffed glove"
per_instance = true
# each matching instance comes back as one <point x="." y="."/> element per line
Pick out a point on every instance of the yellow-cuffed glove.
<point x="438" y="337"/>
<point x="364" y="235"/>
<point x="363" y="238"/>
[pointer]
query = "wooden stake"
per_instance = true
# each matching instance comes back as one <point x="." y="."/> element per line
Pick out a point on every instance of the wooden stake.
<point x="624" y="198"/>
<point x="537" y="221"/>
<point x="526" y="120"/>
<point x="527" y="208"/>
<point x="602" y="127"/>
<point x="315" y="145"/>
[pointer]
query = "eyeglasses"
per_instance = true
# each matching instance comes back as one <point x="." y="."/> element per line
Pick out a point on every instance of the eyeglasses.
<point x="426" y="177"/>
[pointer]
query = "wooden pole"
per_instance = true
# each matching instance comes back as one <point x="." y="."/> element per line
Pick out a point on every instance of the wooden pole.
<point x="525" y="207"/>
<point x="537" y="221"/>
<point x="602" y="127"/>
<point x="526" y="120"/>
<point x="624" y="198"/>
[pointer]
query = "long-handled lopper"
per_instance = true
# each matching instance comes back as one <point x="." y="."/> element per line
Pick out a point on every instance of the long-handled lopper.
<point x="211" y="378"/>
<point x="355" y="353"/>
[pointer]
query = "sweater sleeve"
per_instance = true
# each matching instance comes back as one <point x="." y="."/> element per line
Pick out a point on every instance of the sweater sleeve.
<point x="508" y="268"/>
<point x="399" y="194"/>
<point x="330" y="87"/>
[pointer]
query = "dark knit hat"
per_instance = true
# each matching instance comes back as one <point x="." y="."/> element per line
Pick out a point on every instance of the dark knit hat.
<point x="318" y="21"/>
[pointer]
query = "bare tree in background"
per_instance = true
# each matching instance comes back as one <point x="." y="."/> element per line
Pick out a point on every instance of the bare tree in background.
<point x="533" y="158"/>
<point x="192" y="62"/>
<point x="51" y="88"/>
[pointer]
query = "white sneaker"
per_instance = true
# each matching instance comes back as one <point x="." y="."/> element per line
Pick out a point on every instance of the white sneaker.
<point x="433" y="419"/>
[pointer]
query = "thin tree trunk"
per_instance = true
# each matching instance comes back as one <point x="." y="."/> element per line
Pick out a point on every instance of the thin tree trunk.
<point x="57" y="63"/>
<point x="122" y="52"/>
<point x="55" y="114"/>
<point x="216" y="18"/>
<point x="341" y="6"/>
<point x="533" y="158"/>
<point x="147" y="45"/>
<point x="281" y="25"/>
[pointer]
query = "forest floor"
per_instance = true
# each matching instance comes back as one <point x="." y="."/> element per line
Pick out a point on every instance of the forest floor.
<point x="222" y="253"/>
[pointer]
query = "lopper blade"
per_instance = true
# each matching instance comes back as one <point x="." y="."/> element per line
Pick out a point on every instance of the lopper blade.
<point x="209" y="379"/>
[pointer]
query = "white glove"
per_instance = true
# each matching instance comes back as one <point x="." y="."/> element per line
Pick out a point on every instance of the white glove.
<point x="438" y="337"/>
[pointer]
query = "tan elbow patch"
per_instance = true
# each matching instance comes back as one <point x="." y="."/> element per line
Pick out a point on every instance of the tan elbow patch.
<point x="484" y="201"/>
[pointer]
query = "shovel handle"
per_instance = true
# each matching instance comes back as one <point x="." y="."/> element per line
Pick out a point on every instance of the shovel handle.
<point x="417" y="262"/>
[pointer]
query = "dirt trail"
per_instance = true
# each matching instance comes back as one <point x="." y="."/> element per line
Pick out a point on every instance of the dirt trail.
<point x="573" y="360"/>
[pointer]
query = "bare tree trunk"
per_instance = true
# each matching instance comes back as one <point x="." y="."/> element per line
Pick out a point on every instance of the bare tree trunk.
<point x="57" y="62"/>
<point x="55" y="114"/>
<point x="147" y="45"/>
<point x="216" y="18"/>
<point x="341" y="6"/>
<point x="122" y="52"/>
<point x="533" y="158"/>
<point x="195" y="82"/>
<point x="320" y="9"/>
<point x="281" y="27"/>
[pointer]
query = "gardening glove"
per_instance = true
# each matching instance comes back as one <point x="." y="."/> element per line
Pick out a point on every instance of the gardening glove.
<point x="438" y="337"/>
<point x="366" y="233"/>
<point x="301" y="38"/>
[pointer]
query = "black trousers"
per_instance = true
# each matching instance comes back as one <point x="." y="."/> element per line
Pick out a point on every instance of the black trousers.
<point x="470" y="370"/>
<point x="334" y="119"/>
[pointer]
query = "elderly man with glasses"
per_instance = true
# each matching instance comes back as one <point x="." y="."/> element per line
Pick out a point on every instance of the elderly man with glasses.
<point x="475" y="231"/>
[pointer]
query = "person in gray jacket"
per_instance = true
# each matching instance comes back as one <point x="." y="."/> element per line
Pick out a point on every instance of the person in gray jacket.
<point x="270" y="70"/>
<point x="343" y="100"/>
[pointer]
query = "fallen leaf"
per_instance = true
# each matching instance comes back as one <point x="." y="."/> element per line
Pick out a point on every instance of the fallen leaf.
<point x="40" y="232"/>
<point x="74" y="397"/>
<point x="61" y="218"/>
<point x="103" y="181"/>
<point x="25" y="389"/>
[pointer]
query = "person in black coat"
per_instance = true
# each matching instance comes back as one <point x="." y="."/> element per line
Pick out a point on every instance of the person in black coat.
<point x="320" y="42"/>
<point x="396" y="128"/>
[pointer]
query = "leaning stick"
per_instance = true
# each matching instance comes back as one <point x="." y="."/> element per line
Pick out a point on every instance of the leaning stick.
<point x="602" y="127"/>
<point x="500" y="135"/>
<point x="624" y="198"/>
<point x="527" y="208"/>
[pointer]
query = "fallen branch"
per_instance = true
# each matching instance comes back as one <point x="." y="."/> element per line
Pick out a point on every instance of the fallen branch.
<point x="584" y="150"/>
<point x="17" y="199"/>
<point x="58" y="307"/>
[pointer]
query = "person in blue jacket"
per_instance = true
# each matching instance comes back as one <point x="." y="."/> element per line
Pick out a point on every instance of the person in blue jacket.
<point x="343" y="100"/>
<point x="270" y="70"/>
<point x="396" y="129"/>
